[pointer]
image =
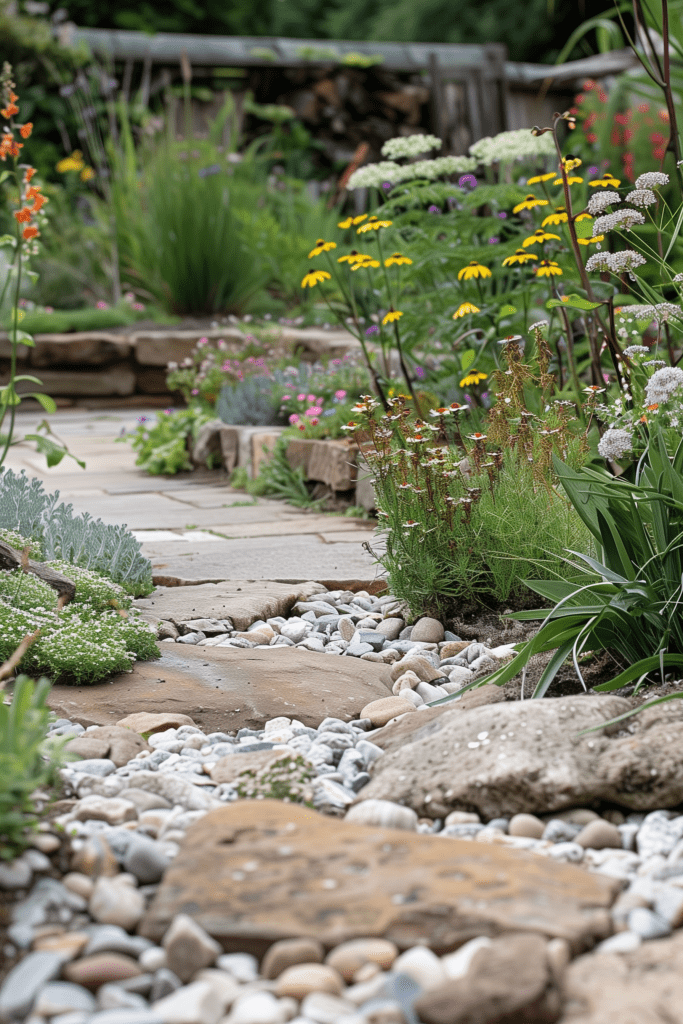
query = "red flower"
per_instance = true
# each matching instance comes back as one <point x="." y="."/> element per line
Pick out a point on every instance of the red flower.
<point x="591" y="137"/>
<point x="643" y="107"/>
<point x="621" y="118"/>
<point x="657" y="138"/>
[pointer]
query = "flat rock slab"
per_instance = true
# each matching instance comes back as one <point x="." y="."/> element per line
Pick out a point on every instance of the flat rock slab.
<point x="255" y="872"/>
<point x="241" y="601"/>
<point x="228" y="688"/>
<point x="513" y="757"/>
<point x="643" y="987"/>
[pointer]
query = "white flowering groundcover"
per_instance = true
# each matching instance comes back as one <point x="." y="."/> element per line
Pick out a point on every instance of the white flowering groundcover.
<point x="94" y="637"/>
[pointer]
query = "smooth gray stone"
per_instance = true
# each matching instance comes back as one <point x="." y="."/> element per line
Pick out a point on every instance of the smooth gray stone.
<point x="113" y="997"/>
<point x="354" y="650"/>
<point x="369" y="750"/>
<point x="358" y="781"/>
<point x="165" y="982"/>
<point x="452" y="636"/>
<point x="372" y="637"/>
<point x="146" y="860"/>
<point x="111" y="938"/>
<point x="249" y="748"/>
<point x="24" y="982"/>
<point x="461" y="831"/>
<point x="142" y="985"/>
<point x="405" y="633"/>
<point x="15" y="874"/>
<point x="93" y="766"/>
<point x="335" y="725"/>
<point x="191" y="638"/>
<point x="559" y="831"/>
<point x="501" y="823"/>
<point x="67" y="996"/>
<point x="402" y="646"/>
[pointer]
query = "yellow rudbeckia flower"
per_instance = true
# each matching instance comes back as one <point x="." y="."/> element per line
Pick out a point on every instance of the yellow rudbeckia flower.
<point x="559" y="217"/>
<point x="539" y="236"/>
<point x="352" y="220"/>
<point x="528" y="203"/>
<point x="365" y="263"/>
<point x="373" y="224"/>
<point x="571" y="180"/>
<point x="473" y="377"/>
<point x="353" y="257"/>
<point x="464" y="308"/>
<point x="583" y="216"/>
<point x="548" y="268"/>
<point x="519" y="256"/>
<point x="569" y="162"/>
<point x="314" y="277"/>
<point x="606" y="181"/>
<point x="321" y="246"/>
<point x="396" y="259"/>
<point x="391" y="316"/>
<point x="473" y="269"/>
<point x="591" y="241"/>
<point x="540" y="177"/>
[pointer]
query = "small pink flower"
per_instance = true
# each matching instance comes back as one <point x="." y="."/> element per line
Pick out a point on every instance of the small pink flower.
<point x="315" y="421"/>
<point x="301" y="426"/>
<point x="315" y="410"/>
<point x="301" y="398"/>
<point x="605" y="377"/>
<point x="138" y="307"/>
<point x="49" y="309"/>
<point x="310" y="398"/>
<point x="294" y="418"/>
<point x="340" y="394"/>
<point x="195" y="391"/>
<point x="286" y="398"/>
<point x="202" y="342"/>
<point x="102" y="305"/>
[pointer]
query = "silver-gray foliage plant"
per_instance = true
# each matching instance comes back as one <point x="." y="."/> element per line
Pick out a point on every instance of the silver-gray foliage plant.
<point x="111" y="550"/>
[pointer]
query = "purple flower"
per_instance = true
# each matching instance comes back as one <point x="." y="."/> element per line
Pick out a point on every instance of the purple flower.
<point x="494" y="240"/>
<point x="593" y="171"/>
<point x="419" y="372"/>
<point x="373" y="329"/>
<point x="467" y="179"/>
<point x="434" y="209"/>
<point x="502" y="215"/>
<point x="386" y="185"/>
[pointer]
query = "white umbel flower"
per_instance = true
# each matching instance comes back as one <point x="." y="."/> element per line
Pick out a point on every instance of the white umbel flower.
<point x="601" y="200"/>
<point x="636" y="350"/>
<point x="622" y="219"/>
<point x="614" y="443"/>
<point x="662" y="384"/>
<point x="617" y="262"/>
<point x="373" y="175"/>
<point x="642" y="197"/>
<point x="515" y="145"/>
<point x="665" y="310"/>
<point x="637" y="313"/>
<point x="411" y="145"/>
<point x="651" y="179"/>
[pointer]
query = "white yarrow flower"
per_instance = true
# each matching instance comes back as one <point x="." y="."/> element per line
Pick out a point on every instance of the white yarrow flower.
<point x="515" y="145"/>
<point x="651" y="179"/>
<point x="373" y="175"/>
<point x="642" y="197"/>
<point x="624" y="219"/>
<point x="614" y="443"/>
<point x="616" y="262"/>
<point x="601" y="200"/>
<point x="636" y="350"/>
<point x="411" y="145"/>
<point x="662" y="384"/>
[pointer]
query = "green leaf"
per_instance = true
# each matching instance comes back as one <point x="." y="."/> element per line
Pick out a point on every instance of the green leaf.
<point x="468" y="358"/>
<point x="48" y="404"/>
<point x="8" y="396"/>
<point x="23" y="338"/>
<point x="8" y="240"/>
<point x="553" y="667"/>
<point x="25" y="376"/>
<point x="4" y="176"/>
<point x="507" y="310"/>
<point x="573" y="302"/>
<point x="54" y="453"/>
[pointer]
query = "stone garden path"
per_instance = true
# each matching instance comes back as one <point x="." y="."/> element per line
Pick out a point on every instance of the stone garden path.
<point x="193" y="526"/>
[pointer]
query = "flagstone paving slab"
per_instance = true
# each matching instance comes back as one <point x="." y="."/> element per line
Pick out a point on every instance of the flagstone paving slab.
<point x="264" y="539"/>
<point x="224" y="689"/>
<point x="259" y="871"/>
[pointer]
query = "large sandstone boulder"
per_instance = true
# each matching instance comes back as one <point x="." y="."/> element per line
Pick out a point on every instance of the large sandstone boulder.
<point x="528" y="756"/>
<point x="643" y="987"/>
<point x="257" y="871"/>
<point x="228" y="688"/>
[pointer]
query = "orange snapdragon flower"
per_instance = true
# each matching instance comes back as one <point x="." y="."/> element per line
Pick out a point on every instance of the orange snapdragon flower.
<point x="23" y="216"/>
<point x="30" y="232"/>
<point x="26" y="129"/>
<point x="11" y="107"/>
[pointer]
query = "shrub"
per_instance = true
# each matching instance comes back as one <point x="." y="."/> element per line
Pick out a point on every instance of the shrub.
<point x="111" y="550"/>
<point x="249" y="402"/>
<point x="24" y="767"/>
